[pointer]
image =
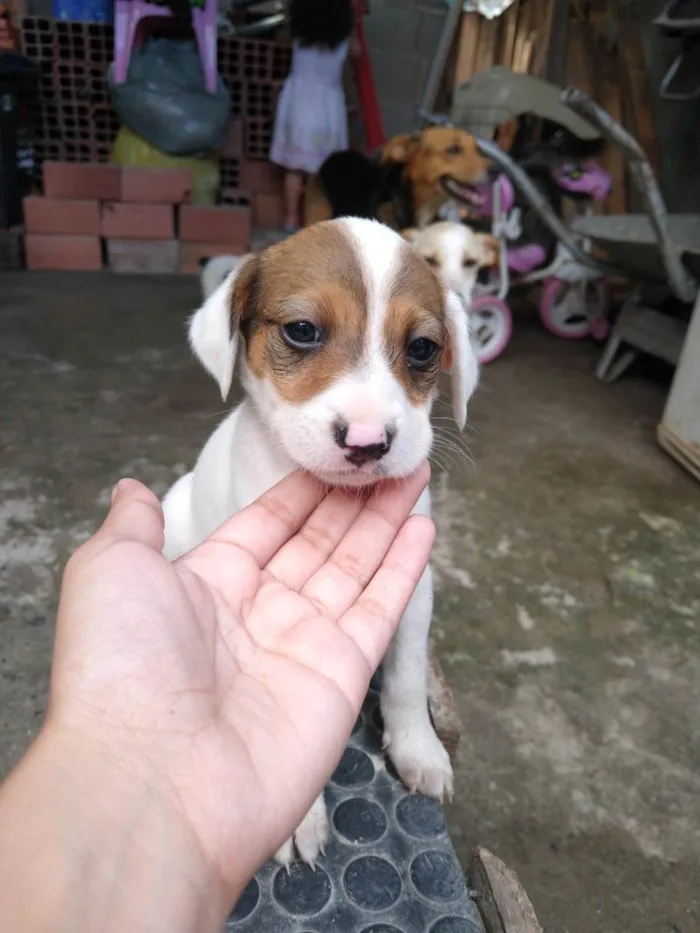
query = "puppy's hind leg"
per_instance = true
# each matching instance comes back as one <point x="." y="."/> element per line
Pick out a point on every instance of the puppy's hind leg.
<point x="417" y="753"/>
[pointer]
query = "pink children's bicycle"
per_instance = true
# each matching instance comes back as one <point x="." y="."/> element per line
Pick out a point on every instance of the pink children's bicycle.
<point x="574" y="299"/>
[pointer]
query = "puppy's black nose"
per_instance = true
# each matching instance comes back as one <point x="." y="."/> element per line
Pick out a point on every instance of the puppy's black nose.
<point x="363" y="443"/>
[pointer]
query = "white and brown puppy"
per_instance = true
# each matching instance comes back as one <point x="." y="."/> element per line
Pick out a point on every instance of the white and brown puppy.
<point x="456" y="253"/>
<point x="340" y="333"/>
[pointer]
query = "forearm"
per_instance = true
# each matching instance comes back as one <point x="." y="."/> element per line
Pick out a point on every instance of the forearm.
<point x="83" y="849"/>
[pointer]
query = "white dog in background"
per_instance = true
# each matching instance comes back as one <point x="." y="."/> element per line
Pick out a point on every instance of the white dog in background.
<point x="456" y="253"/>
<point x="340" y="333"/>
<point x="216" y="270"/>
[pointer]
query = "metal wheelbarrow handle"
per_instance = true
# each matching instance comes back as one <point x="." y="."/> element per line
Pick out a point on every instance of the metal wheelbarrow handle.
<point x="680" y="280"/>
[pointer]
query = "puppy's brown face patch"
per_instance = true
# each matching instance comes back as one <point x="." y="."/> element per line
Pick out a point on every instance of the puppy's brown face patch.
<point x="414" y="323"/>
<point x="314" y="277"/>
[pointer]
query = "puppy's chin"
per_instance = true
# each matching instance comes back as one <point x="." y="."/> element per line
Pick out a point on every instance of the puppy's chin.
<point x="354" y="478"/>
<point x="358" y="477"/>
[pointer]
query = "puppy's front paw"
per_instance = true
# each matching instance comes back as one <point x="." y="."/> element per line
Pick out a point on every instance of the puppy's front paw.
<point x="309" y="838"/>
<point x="421" y="760"/>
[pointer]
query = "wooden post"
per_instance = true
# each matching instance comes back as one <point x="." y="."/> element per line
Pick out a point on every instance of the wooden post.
<point x="503" y="904"/>
<point x="442" y="707"/>
<point x="544" y="38"/>
<point x="508" y="35"/>
<point x="466" y="49"/>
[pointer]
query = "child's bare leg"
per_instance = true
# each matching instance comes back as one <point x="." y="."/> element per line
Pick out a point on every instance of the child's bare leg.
<point x="293" y="187"/>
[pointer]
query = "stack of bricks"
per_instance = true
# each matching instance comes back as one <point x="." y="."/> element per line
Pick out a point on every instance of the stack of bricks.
<point x="74" y="118"/>
<point x="8" y="37"/>
<point x="131" y="219"/>
<point x="75" y="122"/>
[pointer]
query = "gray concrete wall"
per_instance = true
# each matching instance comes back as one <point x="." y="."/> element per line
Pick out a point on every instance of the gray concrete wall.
<point x="403" y="36"/>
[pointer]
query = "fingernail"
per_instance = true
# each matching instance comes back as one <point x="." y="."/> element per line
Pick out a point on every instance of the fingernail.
<point x="116" y="491"/>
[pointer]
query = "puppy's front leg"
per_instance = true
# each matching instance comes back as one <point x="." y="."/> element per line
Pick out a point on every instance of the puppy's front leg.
<point x="418" y="754"/>
<point x="309" y="838"/>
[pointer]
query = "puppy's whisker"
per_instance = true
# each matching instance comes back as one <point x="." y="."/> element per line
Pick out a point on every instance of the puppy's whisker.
<point x="453" y="443"/>
<point x="454" y="452"/>
<point x="450" y="421"/>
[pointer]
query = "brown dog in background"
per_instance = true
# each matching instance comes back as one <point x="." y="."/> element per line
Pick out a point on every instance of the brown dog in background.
<point x="406" y="186"/>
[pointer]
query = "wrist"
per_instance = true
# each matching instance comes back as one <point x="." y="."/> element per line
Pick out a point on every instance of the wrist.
<point x="103" y="843"/>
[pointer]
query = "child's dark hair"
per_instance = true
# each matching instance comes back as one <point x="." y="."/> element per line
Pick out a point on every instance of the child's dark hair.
<point x="320" y="22"/>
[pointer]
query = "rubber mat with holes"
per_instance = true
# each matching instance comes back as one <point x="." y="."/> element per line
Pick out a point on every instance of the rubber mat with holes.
<point x="389" y="866"/>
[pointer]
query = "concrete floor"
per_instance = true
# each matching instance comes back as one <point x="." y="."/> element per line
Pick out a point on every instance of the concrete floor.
<point x="568" y="607"/>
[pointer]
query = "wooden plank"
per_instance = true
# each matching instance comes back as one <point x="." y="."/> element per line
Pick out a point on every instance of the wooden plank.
<point x="466" y="48"/>
<point x="501" y="898"/>
<point x="486" y="46"/>
<point x="687" y="455"/>
<point x="559" y="48"/>
<point x="508" y="34"/>
<point x="443" y="710"/>
<point x="606" y="90"/>
<point x="579" y="72"/>
<point x="545" y="19"/>
<point x="637" y="85"/>
<point x="611" y="101"/>
<point x="522" y="49"/>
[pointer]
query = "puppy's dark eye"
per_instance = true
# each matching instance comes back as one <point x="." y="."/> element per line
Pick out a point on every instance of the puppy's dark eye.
<point x="420" y="352"/>
<point x="454" y="150"/>
<point x="431" y="260"/>
<point x="469" y="263"/>
<point x="302" y="335"/>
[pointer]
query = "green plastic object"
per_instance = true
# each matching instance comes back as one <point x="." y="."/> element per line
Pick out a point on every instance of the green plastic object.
<point x="132" y="150"/>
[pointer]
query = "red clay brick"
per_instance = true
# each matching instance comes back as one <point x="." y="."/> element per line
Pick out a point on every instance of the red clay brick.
<point x="225" y="225"/>
<point x="191" y="253"/>
<point x="233" y="147"/>
<point x="263" y="177"/>
<point x="84" y="181"/>
<point x="156" y="185"/>
<point x="143" y="255"/>
<point x="268" y="211"/>
<point x="82" y="253"/>
<point x="53" y="215"/>
<point x="124" y="221"/>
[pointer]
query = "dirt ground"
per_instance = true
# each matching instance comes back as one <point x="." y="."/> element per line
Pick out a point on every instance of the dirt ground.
<point x="568" y="568"/>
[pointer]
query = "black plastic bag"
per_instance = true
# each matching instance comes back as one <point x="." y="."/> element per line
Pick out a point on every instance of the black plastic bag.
<point x="165" y="101"/>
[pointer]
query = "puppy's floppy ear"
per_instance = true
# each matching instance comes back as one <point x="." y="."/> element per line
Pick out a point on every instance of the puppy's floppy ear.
<point x="459" y="359"/>
<point x="214" y="328"/>
<point x="400" y="148"/>
<point x="410" y="234"/>
<point x="492" y="249"/>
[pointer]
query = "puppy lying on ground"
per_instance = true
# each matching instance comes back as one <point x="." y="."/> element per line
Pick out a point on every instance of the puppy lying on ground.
<point x="407" y="185"/>
<point x="340" y="333"/>
<point x="456" y="253"/>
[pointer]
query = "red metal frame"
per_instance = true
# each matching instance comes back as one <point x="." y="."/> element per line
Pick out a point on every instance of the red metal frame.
<point x="366" y="88"/>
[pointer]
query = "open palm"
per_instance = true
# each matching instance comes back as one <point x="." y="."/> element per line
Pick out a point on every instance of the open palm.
<point x="234" y="675"/>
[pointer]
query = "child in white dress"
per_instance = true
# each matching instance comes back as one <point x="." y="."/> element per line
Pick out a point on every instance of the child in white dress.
<point x="311" y="120"/>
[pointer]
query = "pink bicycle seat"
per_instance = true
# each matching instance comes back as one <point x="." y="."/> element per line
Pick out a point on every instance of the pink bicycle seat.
<point x="524" y="259"/>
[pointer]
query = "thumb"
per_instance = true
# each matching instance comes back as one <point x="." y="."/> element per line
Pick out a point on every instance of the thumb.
<point x="135" y="515"/>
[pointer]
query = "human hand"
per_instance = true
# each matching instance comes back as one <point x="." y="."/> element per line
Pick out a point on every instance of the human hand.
<point x="228" y="681"/>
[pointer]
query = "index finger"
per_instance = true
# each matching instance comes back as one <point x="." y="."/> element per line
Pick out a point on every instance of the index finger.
<point x="265" y="525"/>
